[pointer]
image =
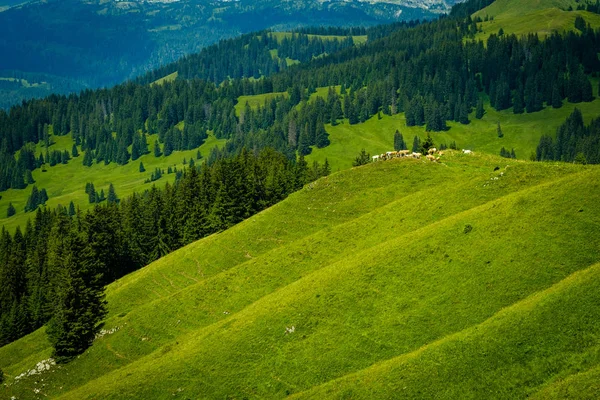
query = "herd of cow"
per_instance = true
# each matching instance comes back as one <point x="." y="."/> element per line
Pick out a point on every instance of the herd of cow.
<point x="432" y="155"/>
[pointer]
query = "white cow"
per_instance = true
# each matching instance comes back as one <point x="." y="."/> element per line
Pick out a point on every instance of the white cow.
<point x="375" y="158"/>
<point x="465" y="151"/>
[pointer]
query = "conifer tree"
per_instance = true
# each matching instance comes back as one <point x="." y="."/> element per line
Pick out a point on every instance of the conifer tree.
<point x="142" y="169"/>
<point x="11" y="210"/>
<point x="399" y="143"/>
<point x="416" y="144"/>
<point x="29" y="177"/>
<point x="479" y="111"/>
<point x="78" y="294"/>
<point x="326" y="169"/>
<point x="556" y="98"/>
<point x="112" y="195"/>
<point x="362" y="159"/>
<point x="71" y="208"/>
<point x="88" y="158"/>
<point x="157" y="152"/>
<point x="74" y="152"/>
<point x="91" y="191"/>
<point x="499" y="131"/>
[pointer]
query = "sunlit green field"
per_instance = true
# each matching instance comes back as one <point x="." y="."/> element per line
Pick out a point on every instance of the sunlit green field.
<point x="437" y="280"/>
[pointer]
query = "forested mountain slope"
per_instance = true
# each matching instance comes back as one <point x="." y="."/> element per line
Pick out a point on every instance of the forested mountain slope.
<point x="125" y="39"/>
<point x="383" y="273"/>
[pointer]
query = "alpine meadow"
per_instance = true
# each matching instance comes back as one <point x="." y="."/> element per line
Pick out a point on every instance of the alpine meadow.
<point x="342" y="200"/>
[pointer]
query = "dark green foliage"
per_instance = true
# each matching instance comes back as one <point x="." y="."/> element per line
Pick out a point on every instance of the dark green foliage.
<point x="74" y="152"/>
<point x="71" y="211"/>
<point x="36" y="198"/>
<point x="112" y="195"/>
<point x="426" y="145"/>
<point x="78" y="294"/>
<point x="10" y="211"/>
<point x="499" y="131"/>
<point x="507" y="154"/>
<point x="580" y="23"/>
<point x="399" y="143"/>
<point x="572" y="138"/>
<point x="362" y="159"/>
<point x="556" y="97"/>
<point x="29" y="177"/>
<point x="467" y="229"/>
<point x="142" y="169"/>
<point x="479" y="111"/>
<point x="416" y="144"/>
<point x="88" y="158"/>
<point x="91" y="192"/>
<point x="157" y="152"/>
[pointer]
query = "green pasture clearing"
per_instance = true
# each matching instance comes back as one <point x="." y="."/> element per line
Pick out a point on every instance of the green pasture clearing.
<point x="168" y="78"/>
<point x="522" y="7"/>
<point x="358" y="39"/>
<point x="66" y="182"/>
<point x="543" y="22"/>
<point x="256" y="101"/>
<point x="521" y="132"/>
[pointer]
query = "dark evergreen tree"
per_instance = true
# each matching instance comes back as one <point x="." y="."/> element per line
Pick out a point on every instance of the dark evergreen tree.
<point x="78" y="294"/>
<point x="74" y="152"/>
<point x="499" y="130"/>
<point x="399" y="143"/>
<point x="157" y="152"/>
<point x="479" y="111"/>
<point x="11" y="210"/>
<point x="556" y="97"/>
<point x="362" y="159"/>
<point x="142" y="169"/>
<point x="71" y="208"/>
<point x="416" y="144"/>
<point x="112" y="195"/>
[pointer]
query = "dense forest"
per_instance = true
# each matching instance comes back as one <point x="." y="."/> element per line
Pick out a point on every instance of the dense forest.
<point x="574" y="142"/>
<point x="433" y="71"/>
<point x="122" y="236"/>
<point x="427" y="71"/>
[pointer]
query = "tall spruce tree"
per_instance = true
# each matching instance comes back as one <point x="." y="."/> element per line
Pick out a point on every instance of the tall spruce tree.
<point x="77" y="292"/>
<point x="112" y="195"/>
<point x="399" y="143"/>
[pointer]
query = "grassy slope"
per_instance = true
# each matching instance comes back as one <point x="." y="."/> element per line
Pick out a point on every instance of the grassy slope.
<point x="168" y="78"/>
<point x="521" y="132"/>
<point x="66" y="183"/>
<point x="358" y="39"/>
<point x="524" y="344"/>
<point x="209" y="320"/>
<point x="532" y="16"/>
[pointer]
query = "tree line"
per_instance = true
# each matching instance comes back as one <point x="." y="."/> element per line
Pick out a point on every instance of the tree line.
<point x="574" y="142"/>
<point x="63" y="247"/>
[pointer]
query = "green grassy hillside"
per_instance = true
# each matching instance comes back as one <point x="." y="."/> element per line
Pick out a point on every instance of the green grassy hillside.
<point x="397" y="271"/>
<point x="521" y="132"/>
<point x="532" y="16"/>
<point x="66" y="182"/>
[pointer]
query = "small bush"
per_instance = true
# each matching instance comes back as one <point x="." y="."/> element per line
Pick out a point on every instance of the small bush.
<point x="468" y="228"/>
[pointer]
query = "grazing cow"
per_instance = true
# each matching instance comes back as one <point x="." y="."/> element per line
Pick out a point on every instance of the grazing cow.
<point x="431" y="150"/>
<point x="465" y="151"/>
<point x="416" y="155"/>
<point x="441" y="153"/>
<point x="404" y="153"/>
<point x="430" y="157"/>
<point x="375" y="158"/>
